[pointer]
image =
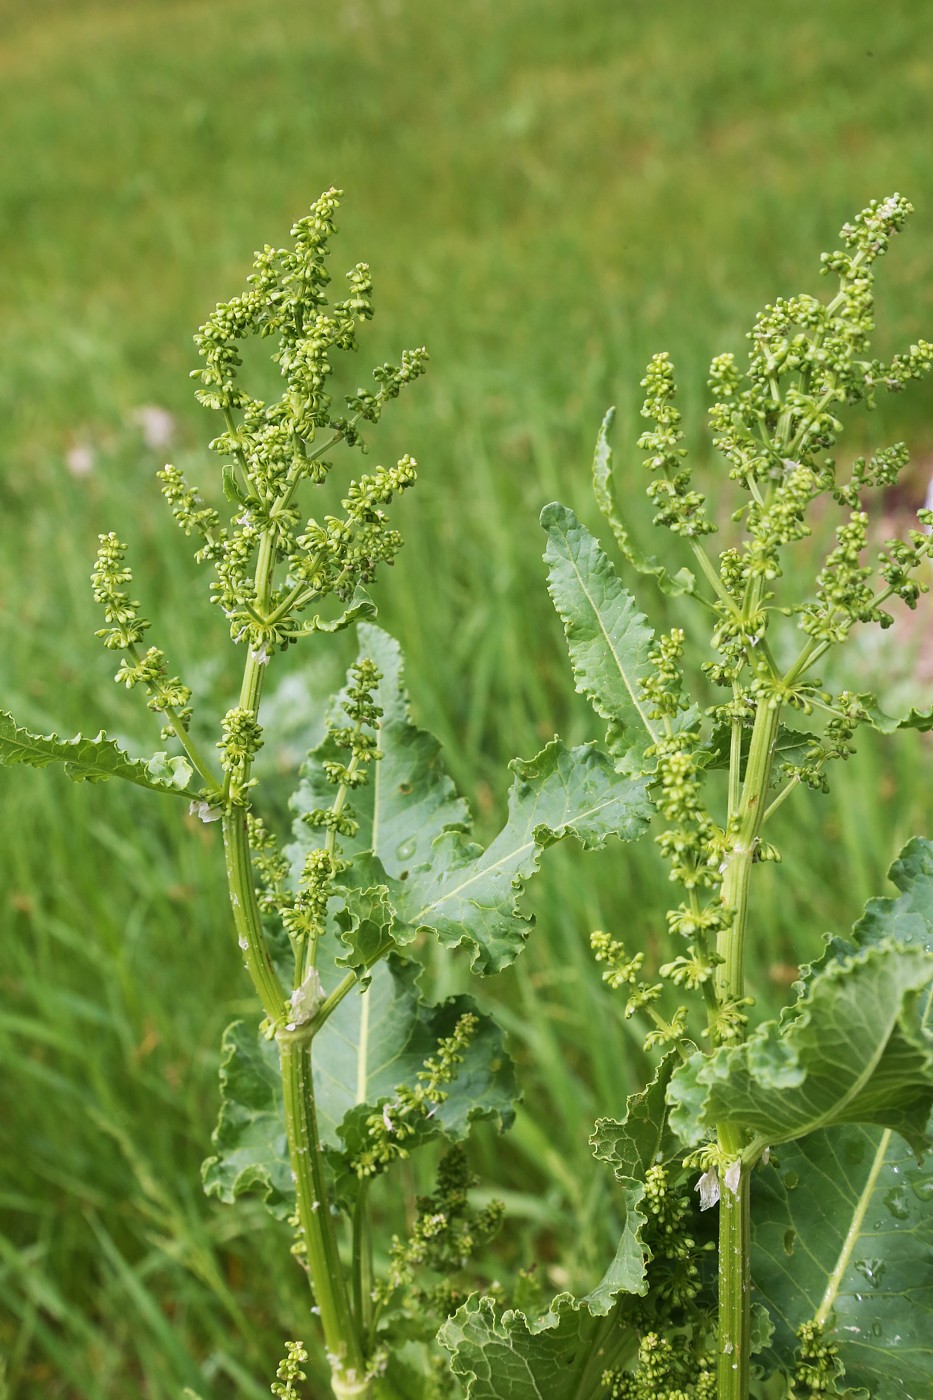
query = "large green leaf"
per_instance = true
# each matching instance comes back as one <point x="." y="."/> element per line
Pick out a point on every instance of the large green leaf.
<point x="251" y="1147"/>
<point x="604" y="489"/>
<point x="414" y="842"/>
<point x="856" y="1048"/>
<point x="410" y="800"/>
<point x="379" y="1039"/>
<point x="607" y="637"/>
<point x="90" y="760"/>
<point x="375" y="1041"/>
<point x="843" y="1224"/>
<point x="470" y="896"/>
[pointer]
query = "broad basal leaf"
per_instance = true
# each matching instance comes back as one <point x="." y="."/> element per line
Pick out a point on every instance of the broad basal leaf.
<point x="607" y="637"/>
<point x="843" y="1224"/>
<point x="375" y="1041"/>
<point x="604" y="488"/>
<point x="856" y="1048"/>
<point x="90" y="760"/>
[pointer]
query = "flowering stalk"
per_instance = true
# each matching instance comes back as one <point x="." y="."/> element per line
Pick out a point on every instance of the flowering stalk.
<point x="271" y="565"/>
<point x="775" y="426"/>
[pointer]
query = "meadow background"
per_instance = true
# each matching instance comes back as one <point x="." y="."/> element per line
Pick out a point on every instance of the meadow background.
<point x="547" y="193"/>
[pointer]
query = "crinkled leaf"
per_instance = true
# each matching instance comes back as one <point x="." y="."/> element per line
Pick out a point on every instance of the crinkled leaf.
<point x="604" y="489"/>
<point x="888" y="724"/>
<point x="374" y="1042"/>
<point x="856" y="1048"/>
<point x="359" y="606"/>
<point x="471" y="896"/>
<point x="172" y="770"/>
<point x="90" y="760"/>
<point x="844" y="1218"/>
<point x="642" y="1137"/>
<point x="630" y="1146"/>
<point x="909" y="917"/>
<point x="251" y="1147"/>
<point x="607" y="637"/>
<point x="368" y="929"/>
<point x="506" y="1357"/>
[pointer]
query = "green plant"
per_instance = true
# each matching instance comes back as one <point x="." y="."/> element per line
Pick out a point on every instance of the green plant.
<point x="352" y="1068"/>
<point x="840" y="1088"/>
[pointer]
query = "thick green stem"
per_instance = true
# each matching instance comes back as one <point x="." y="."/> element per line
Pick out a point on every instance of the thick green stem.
<point x="246" y="917"/>
<point x="730" y="977"/>
<point x="315" y="1221"/>
<point x="732" y="1370"/>
<point x="734" y="1233"/>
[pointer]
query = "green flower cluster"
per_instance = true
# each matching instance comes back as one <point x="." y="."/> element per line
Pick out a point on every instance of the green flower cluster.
<point x="447" y="1232"/>
<point x="818" y="1367"/>
<point x="775" y="425"/>
<point x="396" y="1121"/>
<point x="673" y="1361"/>
<point x="270" y="448"/>
<point x="289" y="1371"/>
<point x="303" y="909"/>
<point x="125" y="631"/>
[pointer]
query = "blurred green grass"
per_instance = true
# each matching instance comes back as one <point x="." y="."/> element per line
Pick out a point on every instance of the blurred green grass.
<point x="547" y="194"/>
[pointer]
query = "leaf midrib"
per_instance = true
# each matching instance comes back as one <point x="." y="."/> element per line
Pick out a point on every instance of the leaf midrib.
<point x="612" y="650"/>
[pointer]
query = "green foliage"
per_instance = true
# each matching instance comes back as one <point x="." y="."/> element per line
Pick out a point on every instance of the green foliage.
<point x="354" y="1068"/>
<point x="413" y="840"/>
<point x="855" y="1048"/>
<point x="842" y="1233"/>
<point x="90" y="760"/>
<point x="133" y="189"/>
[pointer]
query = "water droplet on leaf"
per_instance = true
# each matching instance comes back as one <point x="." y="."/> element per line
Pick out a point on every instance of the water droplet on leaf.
<point x="923" y="1190"/>
<point x="872" y="1270"/>
<point x="897" y="1203"/>
<point x="790" y="1241"/>
<point x="405" y="849"/>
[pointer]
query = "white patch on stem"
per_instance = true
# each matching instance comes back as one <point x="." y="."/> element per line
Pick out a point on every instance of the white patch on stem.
<point x="733" y="1175"/>
<point x="306" y="999"/>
